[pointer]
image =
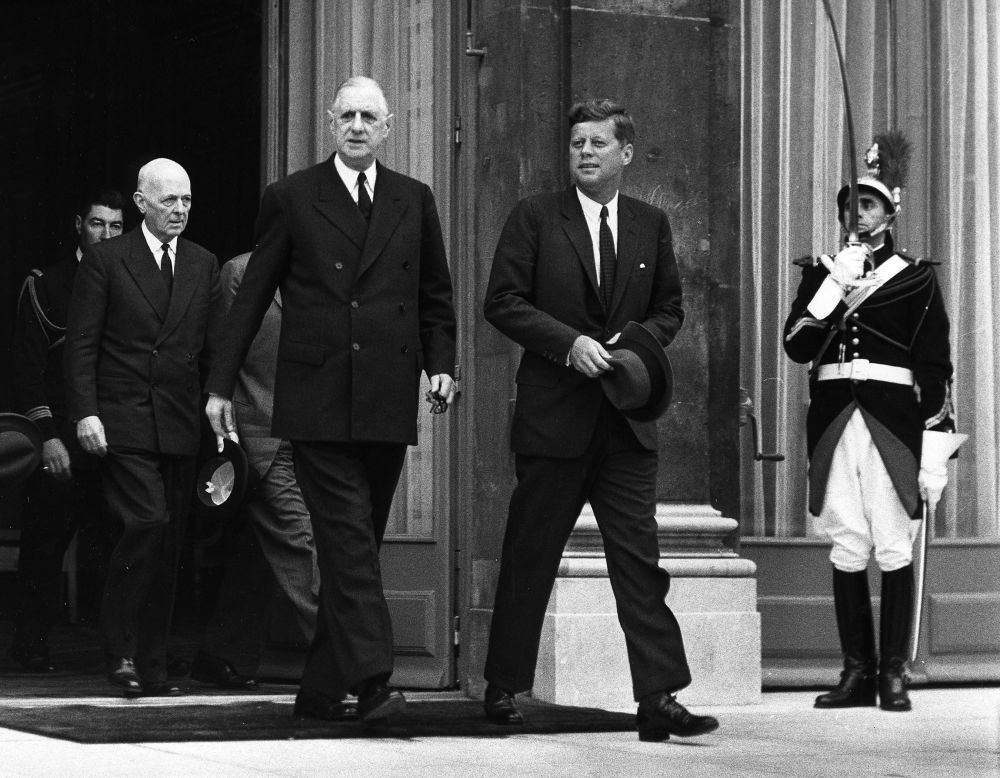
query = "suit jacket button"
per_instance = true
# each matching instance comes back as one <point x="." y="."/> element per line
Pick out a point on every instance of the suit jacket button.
<point x="338" y="265"/>
<point x="354" y="303"/>
<point x="404" y="349"/>
<point x="156" y="353"/>
<point x="406" y="265"/>
<point x="402" y="306"/>
<point x="356" y="346"/>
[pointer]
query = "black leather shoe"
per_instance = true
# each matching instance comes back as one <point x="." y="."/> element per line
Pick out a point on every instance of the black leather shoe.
<point x="32" y="661"/>
<point x="157" y="689"/>
<point x="312" y="704"/>
<point x="121" y="672"/>
<point x="661" y="716"/>
<point x="216" y="670"/>
<point x="377" y="700"/>
<point x="855" y="690"/>
<point x="501" y="706"/>
<point x="892" y="694"/>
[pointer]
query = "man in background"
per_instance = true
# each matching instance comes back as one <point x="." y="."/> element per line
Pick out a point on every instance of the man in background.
<point x="141" y="309"/>
<point x="63" y="494"/>
<point x="274" y="549"/>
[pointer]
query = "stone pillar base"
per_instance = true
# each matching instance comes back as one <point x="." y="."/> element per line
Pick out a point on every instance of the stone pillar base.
<point x="582" y="658"/>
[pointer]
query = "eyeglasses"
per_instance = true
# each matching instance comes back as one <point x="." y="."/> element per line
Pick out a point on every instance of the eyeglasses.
<point x="346" y="118"/>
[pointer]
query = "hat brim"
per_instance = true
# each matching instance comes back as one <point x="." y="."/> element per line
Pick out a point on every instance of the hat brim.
<point x="20" y="448"/>
<point x="640" y="341"/>
<point x="222" y="481"/>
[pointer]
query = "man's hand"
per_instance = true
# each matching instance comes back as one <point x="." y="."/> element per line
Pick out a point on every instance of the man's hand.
<point x="849" y="264"/>
<point x="55" y="459"/>
<point x="220" y="415"/>
<point x="931" y="482"/>
<point x="442" y="392"/>
<point x="589" y="357"/>
<point x="90" y="433"/>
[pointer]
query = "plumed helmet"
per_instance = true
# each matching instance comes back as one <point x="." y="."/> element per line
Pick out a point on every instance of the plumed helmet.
<point x="887" y="162"/>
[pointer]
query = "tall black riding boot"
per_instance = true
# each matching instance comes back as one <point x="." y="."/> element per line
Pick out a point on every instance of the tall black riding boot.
<point x="897" y="615"/>
<point x="853" y="606"/>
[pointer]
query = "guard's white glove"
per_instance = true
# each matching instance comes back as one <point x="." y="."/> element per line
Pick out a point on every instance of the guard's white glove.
<point x="932" y="481"/>
<point x="935" y="451"/>
<point x="848" y="266"/>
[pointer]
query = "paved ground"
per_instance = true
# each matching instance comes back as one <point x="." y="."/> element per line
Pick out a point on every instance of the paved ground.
<point x="953" y="732"/>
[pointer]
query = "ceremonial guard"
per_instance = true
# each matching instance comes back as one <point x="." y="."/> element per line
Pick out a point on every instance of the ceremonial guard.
<point x="872" y="322"/>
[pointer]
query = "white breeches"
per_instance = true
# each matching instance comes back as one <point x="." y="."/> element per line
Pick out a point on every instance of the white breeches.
<point x="861" y="510"/>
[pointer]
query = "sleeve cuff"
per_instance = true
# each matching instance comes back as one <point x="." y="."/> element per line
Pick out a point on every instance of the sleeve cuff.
<point x="827" y="298"/>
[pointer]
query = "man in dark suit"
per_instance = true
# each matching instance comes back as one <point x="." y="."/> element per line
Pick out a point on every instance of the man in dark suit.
<point x="63" y="494"/>
<point x="136" y="341"/>
<point x="571" y="269"/>
<point x="358" y="253"/>
<point x="274" y="549"/>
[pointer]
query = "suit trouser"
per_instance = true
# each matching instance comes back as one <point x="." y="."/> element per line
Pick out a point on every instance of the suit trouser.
<point x="618" y="477"/>
<point x="53" y="512"/>
<point x="274" y="554"/>
<point x="151" y="495"/>
<point x="348" y="489"/>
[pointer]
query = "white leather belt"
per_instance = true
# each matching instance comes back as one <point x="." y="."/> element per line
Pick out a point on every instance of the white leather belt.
<point x="863" y="370"/>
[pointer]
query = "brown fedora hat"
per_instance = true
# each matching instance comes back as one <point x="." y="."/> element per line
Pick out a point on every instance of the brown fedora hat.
<point x="642" y="382"/>
<point x="20" y="448"/>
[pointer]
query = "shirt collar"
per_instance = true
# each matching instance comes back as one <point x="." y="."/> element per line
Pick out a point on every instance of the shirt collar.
<point x="592" y="208"/>
<point x="350" y="176"/>
<point x="155" y="244"/>
<point x="79" y="253"/>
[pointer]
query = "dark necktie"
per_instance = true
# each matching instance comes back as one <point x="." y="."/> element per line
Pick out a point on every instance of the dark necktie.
<point x="364" y="201"/>
<point x="607" y="245"/>
<point x="165" y="268"/>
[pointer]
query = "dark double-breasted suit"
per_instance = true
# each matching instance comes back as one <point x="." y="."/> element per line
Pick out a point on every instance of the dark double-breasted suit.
<point x="571" y="444"/>
<point x="135" y="358"/>
<point x="366" y="307"/>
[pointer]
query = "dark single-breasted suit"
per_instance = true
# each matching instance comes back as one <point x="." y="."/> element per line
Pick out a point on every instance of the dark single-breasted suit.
<point x="571" y="444"/>
<point x="135" y="355"/>
<point x="274" y="550"/>
<point x="53" y="509"/>
<point x="366" y="306"/>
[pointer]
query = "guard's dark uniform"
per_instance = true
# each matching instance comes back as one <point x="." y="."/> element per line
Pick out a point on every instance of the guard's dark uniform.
<point x="881" y="376"/>
<point x="53" y="510"/>
<point x="902" y="324"/>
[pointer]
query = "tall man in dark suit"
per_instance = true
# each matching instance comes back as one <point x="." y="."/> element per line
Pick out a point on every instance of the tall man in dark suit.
<point x="274" y="549"/>
<point x="571" y="269"/>
<point x="64" y="493"/>
<point x="136" y="342"/>
<point x="358" y="253"/>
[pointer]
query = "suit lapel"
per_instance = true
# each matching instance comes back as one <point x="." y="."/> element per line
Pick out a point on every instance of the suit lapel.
<point x="388" y="208"/>
<point x="141" y="265"/>
<point x="627" y="241"/>
<point x="575" y="226"/>
<point x="185" y="281"/>
<point x="336" y="204"/>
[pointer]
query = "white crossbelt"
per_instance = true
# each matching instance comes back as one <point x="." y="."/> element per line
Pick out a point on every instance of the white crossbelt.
<point x="863" y="370"/>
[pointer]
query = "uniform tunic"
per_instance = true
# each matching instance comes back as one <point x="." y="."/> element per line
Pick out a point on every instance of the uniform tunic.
<point x="902" y="324"/>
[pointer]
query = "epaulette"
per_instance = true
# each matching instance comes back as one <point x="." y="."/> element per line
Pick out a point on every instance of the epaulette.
<point x="54" y="334"/>
<point x="917" y="260"/>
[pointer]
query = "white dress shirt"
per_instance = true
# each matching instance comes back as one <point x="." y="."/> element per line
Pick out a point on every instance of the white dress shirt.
<point x="592" y="213"/>
<point x="350" y="178"/>
<point x="156" y="246"/>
